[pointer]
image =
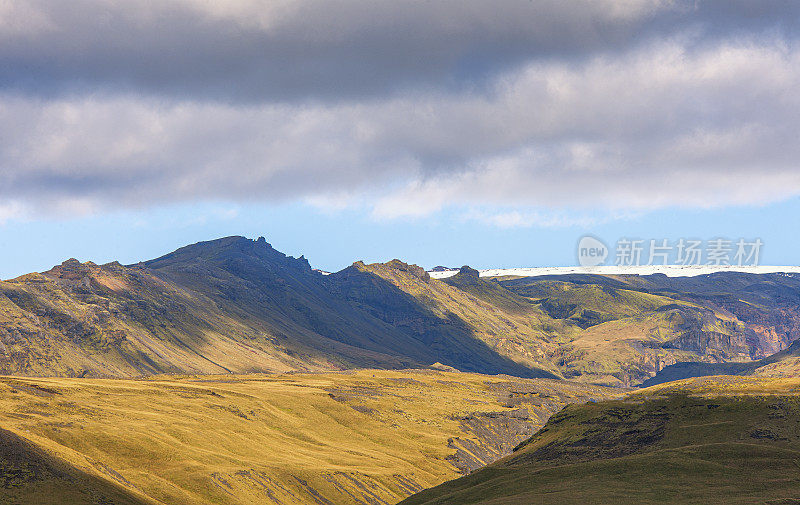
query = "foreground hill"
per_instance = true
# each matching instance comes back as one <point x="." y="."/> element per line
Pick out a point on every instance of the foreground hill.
<point x="235" y="305"/>
<point x="714" y="440"/>
<point x="346" y="438"/>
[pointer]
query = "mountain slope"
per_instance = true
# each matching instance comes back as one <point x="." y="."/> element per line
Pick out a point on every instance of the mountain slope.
<point x="769" y="304"/>
<point x="229" y="305"/>
<point x="631" y="326"/>
<point x="235" y="305"/>
<point x="453" y="323"/>
<point x="784" y="363"/>
<point x="686" y="442"/>
<point x="30" y="475"/>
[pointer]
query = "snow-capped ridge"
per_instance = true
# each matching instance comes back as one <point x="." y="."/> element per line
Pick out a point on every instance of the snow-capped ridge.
<point x="668" y="270"/>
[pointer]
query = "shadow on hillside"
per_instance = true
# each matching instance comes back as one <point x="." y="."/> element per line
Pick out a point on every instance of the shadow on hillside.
<point x="266" y="290"/>
<point x="29" y="476"/>
<point x="428" y="337"/>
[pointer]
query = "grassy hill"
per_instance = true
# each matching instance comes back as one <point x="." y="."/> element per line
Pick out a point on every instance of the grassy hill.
<point x="712" y="440"/>
<point x="345" y="438"/>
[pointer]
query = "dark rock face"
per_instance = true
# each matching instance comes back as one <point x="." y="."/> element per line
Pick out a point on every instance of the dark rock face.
<point x="415" y="270"/>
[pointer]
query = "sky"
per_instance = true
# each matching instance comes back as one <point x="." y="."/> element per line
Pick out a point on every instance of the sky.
<point x="438" y="132"/>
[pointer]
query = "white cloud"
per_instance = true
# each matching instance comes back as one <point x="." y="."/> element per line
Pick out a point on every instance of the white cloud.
<point x="541" y="219"/>
<point x="10" y="210"/>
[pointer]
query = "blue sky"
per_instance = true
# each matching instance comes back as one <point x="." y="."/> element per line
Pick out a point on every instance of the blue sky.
<point x="352" y="129"/>
<point x="332" y="240"/>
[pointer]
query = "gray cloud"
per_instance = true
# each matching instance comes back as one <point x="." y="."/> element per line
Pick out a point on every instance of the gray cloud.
<point x="405" y="107"/>
<point x="333" y="49"/>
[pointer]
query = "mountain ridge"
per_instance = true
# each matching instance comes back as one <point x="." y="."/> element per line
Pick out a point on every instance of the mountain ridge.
<point x="237" y="305"/>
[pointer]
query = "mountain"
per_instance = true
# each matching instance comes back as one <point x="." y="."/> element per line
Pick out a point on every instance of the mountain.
<point x="347" y="438"/>
<point x="84" y="319"/>
<point x="717" y="440"/>
<point x="236" y="305"/>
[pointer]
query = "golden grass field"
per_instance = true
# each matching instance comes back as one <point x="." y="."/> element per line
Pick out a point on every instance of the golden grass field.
<point x="331" y="438"/>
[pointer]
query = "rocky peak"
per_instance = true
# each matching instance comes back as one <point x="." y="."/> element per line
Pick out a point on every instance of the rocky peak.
<point x="415" y="270"/>
<point x="228" y="251"/>
<point x="467" y="271"/>
<point x="72" y="269"/>
<point x="465" y="276"/>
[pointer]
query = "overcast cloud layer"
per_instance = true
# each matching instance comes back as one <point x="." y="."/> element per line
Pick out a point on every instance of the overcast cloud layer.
<point x="405" y="107"/>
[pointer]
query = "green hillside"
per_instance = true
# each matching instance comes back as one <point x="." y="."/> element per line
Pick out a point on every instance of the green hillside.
<point x="716" y="440"/>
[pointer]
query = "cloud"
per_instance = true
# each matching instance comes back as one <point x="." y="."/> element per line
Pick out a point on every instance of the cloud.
<point x="10" y="210"/>
<point x="406" y="108"/>
<point x="248" y="50"/>
<point x="254" y="51"/>
<point x="527" y="218"/>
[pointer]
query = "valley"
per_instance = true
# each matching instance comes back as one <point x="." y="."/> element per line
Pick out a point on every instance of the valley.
<point x="715" y="440"/>
<point x="226" y="372"/>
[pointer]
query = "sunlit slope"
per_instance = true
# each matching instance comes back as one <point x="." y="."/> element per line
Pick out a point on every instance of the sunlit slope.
<point x="343" y="438"/>
<point x="115" y="321"/>
<point x="712" y="440"/>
